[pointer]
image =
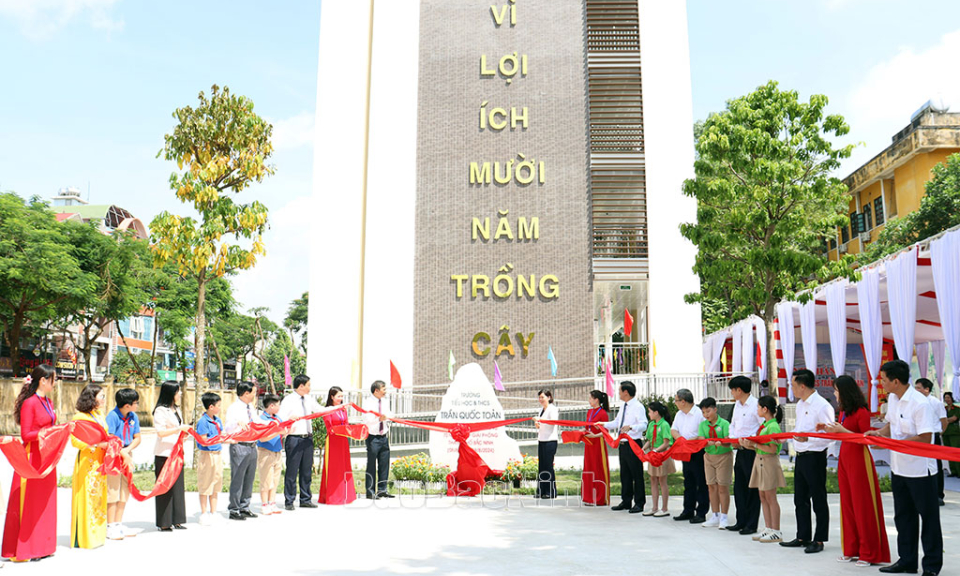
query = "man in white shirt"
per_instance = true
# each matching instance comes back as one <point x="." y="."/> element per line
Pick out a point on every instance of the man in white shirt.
<point x="298" y="444"/>
<point x="243" y="455"/>
<point x="744" y="423"/>
<point x="632" y="421"/>
<point x="810" y="470"/>
<point x="378" y="443"/>
<point x="686" y="424"/>
<point x="939" y="420"/>
<point x="914" y="487"/>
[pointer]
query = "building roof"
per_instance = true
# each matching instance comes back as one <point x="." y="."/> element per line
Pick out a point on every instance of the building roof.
<point x="928" y="131"/>
<point x="69" y="216"/>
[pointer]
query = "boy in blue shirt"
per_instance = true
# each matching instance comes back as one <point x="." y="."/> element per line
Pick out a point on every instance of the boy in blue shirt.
<point x="210" y="466"/>
<point x="269" y="463"/>
<point x="123" y="423"/>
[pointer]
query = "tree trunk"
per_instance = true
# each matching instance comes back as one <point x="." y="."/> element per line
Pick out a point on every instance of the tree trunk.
<point x="216" y="350"/>
<point x="261" y="358"/>
<point x="199" y="345"/>
<point x="153" y="346"/>
<point x="133" y="359"/>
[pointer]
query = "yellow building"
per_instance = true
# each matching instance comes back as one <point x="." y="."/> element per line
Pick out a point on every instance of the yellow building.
<point x="894" y="181"/>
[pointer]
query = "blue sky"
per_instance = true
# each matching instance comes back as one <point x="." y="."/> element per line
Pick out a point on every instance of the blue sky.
<point x="87" y="89"/>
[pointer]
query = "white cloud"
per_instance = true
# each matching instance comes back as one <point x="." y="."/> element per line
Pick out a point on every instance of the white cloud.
<point x="882" y="101"/>
<point x="293" y="132"/>
<point x="41" y="19"/>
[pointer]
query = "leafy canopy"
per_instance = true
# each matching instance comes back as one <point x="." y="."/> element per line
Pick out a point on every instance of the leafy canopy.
<point x="765" y="198"/>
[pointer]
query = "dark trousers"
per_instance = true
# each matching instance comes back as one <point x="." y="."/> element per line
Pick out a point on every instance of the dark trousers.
<point x="696" y="498"/>
<point x="243" y="470"/>
<point x="747" y="499"/>
<point x="810" y="485"/>
<point x="299" y="466"/>
<point x="938" y="440"/>
<point x="171" y="507"/>
<point x="546" y="478"/>
<point x="632" y="490"/>
<point x="378" y="464"/>
<point x="915" y="499"/>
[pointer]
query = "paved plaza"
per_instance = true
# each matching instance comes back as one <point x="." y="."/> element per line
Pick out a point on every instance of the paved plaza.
<point x="438" y="535"/>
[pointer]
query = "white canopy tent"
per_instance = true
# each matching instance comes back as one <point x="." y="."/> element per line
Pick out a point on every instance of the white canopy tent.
<point x="896" y="301"/>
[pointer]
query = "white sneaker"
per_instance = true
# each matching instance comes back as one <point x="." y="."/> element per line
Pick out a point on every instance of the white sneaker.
<point x="763" y="534"/>
<point x="772" y="536"/>
<point x="723" y="522"/>
<point x="712" y="522"/>
<point x="129" y="532"/>
<point x="266" y="509"/>
<point x="114" y="532"/>
<point x="205" y="519"/>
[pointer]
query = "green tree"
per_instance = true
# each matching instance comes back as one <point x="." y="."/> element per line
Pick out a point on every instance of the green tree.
<point x="296" y="320"/>
<point x="112" y="262"/>
<point x="221" y="148"/>
<point x="939" y="210"/>
<point x="765" y="199"/>
<point x="39" y="275"/>
<point x="281" y="345"/>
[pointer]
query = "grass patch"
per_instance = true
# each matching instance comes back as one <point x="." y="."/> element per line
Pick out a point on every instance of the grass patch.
<point x="568" y="482"/>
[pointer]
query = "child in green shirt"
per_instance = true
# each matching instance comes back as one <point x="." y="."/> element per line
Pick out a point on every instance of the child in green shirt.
<point x="717" y="463"/>
<point x="659" y="439"/>
<point x="767" y="474"/>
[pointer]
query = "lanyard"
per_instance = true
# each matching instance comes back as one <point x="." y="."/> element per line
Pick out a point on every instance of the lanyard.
<point x="592" y="415"/>
<point x="48" y="408"/>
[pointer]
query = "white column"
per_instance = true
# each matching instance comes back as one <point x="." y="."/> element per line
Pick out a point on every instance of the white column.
<point x="674" y="325"/>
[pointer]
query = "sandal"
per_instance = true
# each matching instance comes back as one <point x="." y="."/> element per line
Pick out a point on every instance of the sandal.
<point x="649" y="512"/>
<point x="863" y="564"/>
<point x="846" y="558"/>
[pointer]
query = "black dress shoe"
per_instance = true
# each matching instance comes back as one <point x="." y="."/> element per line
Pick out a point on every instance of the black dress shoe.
<point x="179" y="527"/>
<point x="748" y="531"/>
<point x="308" y="505"/>
<point x="795" y="543"/>
<point x="247" y="514"/>
<point x="636" y="510"/>
<point x="929" y="573"/>
<point x="288" y="507"/>
<point x="814" y="547"/>
<point x="683" y="516"/>
<point x="898" y="568"/>
<point x="371" y="496"/>
<point x="698" y="519"/>
<point x="621" y="506"/>
<point x="169" y="529"/>
<point x="735" y="528"/>
<point x="385" y="495"/>
<point x="233" y="516"/>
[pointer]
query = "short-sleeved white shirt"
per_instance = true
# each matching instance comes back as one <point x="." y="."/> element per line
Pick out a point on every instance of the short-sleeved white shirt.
<point x="908" y="417"/>
<point x="688" y="425"/>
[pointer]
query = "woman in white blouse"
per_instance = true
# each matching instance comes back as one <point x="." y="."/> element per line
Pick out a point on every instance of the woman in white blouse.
<point x="547" y="446"/>
<point x="171" y="507"/>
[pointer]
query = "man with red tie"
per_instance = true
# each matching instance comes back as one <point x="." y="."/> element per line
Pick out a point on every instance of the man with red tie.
<point x="378" y="442"/>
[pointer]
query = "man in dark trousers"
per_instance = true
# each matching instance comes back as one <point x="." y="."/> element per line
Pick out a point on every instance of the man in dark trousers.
<point x="378" y="441"/>
<point x="744" y="423"/>
<point x="910" y="418"/>
<point x="686" y="424"/>
<point x="298" y="444"/>
<point x="632" y="421"/>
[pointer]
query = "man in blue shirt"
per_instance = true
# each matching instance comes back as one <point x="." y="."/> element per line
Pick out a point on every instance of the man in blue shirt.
<point x="123" y="423"/>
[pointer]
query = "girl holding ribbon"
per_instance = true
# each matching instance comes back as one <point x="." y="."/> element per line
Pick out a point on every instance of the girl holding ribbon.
<point x="659" y="439"/>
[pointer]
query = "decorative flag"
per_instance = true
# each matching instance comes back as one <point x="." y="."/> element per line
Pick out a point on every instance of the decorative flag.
<point x="394" y="376"/>
<point x="654" y="353"/>
<point x="608" y="377"/>
<point x="497" y="377"/>
<point x="627" y="323"/>
<point x="287" y="379"/>
<point x="723" y="359"/>
<point x="553" y="362"/>
<point x="450" y="365"/>
<point x="759" y="362"/>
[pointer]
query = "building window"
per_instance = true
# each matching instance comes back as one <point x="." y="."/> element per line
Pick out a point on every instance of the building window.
<point x="845" y="234"/>
<point x="833" y="243"/>
<point x="854" y="224"/>
<point x="878" y="209"/>
<point x="868" y="217"/>
<point x="136" y="327"/>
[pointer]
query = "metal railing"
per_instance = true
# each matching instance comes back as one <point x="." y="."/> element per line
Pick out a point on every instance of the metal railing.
<point x="626" y="357"/>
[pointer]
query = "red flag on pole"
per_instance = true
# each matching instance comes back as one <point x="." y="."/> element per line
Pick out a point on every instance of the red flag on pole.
<point x="394" y="376"/>
<point x="608" y="378"/>
<point x="627" y="323"/>
<point x="759" y="357"/>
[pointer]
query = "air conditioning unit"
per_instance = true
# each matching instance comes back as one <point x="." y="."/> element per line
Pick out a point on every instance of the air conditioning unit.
<point x="864" y="236"/>
<point x="842" y="249"/>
